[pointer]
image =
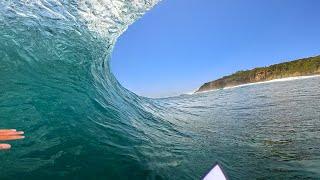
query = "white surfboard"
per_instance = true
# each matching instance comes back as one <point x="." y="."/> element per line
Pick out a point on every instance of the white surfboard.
<point x="216" y="173"/>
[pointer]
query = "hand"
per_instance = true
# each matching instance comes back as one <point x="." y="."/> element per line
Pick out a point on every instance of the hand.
<point x="9" y="134"/>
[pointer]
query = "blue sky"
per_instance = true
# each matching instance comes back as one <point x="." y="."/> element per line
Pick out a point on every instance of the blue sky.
<point x="180" y="44"/>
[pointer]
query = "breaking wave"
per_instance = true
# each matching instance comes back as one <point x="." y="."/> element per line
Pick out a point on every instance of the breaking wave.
<point x="80" y="123"/>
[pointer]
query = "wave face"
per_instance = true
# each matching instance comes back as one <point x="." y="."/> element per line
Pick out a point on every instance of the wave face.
<point x="80" y="123"/>
<point x="56" y="84"/>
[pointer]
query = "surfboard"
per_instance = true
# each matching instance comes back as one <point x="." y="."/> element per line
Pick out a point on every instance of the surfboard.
<point x="216" y="173"/>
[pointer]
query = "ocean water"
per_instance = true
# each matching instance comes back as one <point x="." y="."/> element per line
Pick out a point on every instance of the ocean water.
<point x="80" y="123"/>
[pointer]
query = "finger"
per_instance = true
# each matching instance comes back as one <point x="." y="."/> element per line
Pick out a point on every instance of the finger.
<point x="7" y="130"/>
<point x="5" y="146"/>
<point x="8" y="133"/>
<point x="5" y="138"/>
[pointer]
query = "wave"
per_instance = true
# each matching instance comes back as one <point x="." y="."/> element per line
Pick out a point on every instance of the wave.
<point x="57" y="85"/>
<point x="262" y="82"/>
<point x="80" y="123"/>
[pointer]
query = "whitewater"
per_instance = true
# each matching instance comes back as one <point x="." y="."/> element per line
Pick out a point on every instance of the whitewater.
<point x="57" y="86"/>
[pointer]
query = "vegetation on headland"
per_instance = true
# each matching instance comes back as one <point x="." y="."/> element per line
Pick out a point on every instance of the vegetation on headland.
<point x="301" y="67"/>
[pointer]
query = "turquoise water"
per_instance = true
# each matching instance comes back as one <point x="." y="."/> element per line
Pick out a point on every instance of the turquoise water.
<point x="80" y="123"/>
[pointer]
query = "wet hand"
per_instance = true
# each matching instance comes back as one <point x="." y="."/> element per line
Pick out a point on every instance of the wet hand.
<point x="9" y="134"/>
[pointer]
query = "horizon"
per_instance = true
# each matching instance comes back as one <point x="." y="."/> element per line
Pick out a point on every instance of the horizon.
<point x="150" y="60"/>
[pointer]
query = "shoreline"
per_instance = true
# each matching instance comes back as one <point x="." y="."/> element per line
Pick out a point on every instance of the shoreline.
<point x="262" y="82"/>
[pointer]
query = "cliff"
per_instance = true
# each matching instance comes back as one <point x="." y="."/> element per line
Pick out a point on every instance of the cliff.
<point x="301" y="67"/>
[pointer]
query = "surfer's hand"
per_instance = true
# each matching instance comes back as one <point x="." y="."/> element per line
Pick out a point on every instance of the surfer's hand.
<point x="9" y="134"/>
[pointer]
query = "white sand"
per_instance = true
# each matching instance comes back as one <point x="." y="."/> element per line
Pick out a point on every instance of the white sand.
<point x="264" y="82"/>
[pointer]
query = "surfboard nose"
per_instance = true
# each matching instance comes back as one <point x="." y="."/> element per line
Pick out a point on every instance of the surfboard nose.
<point x="216" y="173"/>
